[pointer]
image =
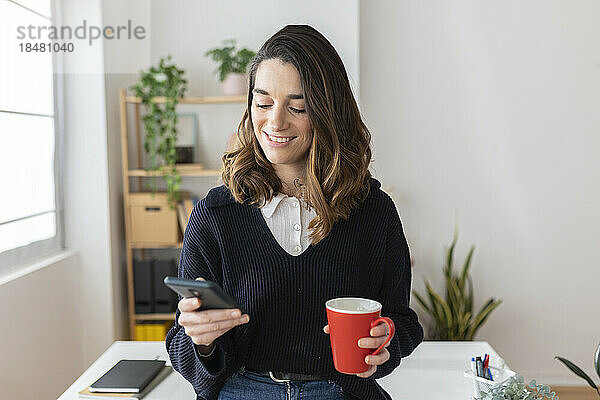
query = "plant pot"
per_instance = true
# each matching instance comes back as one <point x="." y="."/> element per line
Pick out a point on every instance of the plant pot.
<point x="235" y="84"/>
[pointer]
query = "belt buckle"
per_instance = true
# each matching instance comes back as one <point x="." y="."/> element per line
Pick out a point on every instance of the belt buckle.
<point x="278" y="380"/>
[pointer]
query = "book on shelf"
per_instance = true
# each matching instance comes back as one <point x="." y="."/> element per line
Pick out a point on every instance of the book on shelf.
<point x="189" y="206"/>
<point x="184" y="211"/>
<point x="182" y="217"/>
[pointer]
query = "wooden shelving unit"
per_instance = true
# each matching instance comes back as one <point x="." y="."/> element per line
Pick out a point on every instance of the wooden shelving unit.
<point x="154" y="317"/>
<point x="189" y="170"/>
<point x="193" y="100"/>
<point x="183" y="169"/>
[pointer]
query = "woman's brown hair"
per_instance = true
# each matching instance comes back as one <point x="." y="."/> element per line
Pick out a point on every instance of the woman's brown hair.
<point x="337" y="166"/>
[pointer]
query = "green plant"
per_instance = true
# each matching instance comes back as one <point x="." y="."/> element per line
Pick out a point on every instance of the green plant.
<point x="515" y="389"/>
<point x="160" y="121"/>
<point x="452" y="317"/>
<point x="579" y="372"/>
<point x="230" y="59"/>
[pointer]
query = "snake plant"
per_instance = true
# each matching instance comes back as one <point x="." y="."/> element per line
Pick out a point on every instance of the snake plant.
<point x="579" y="372"/>
<point x="452" y="316"/>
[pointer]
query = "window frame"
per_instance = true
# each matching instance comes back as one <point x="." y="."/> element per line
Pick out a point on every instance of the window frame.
<point x="21" y="257"/>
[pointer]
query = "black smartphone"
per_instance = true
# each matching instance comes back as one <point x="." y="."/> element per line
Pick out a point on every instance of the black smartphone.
<point x="211" y="294"/>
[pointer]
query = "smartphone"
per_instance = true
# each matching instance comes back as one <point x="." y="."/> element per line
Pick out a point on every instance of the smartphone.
<point x="211" y="294"/>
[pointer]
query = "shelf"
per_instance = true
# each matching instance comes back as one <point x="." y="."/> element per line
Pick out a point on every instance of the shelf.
<point x="183" y="169"/>
<point x="156" y="246"/>
<point x="137" y="170"/>
<point x="194" y="100"/>
<point x="154" y="317"/>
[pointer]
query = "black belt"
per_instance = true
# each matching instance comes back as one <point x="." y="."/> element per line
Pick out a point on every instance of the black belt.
<point x="282" y="377"/>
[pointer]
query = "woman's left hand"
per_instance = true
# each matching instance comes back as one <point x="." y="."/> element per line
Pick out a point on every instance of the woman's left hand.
<point x="379" y="335"/>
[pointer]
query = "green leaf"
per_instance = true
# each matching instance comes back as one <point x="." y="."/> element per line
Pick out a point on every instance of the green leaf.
<point x="455" y="300"/>
<point x="465" y="269"/>
<point x="435" y="311"/>
<point x="482" y="316"/>
<point x="446" y="313"/>
<point x="469" y="301"/>
<point x="577" y="371"/>
<point x="422" y="302"/>
<point x="450" y="255"/>
<point x="463" y="325"/>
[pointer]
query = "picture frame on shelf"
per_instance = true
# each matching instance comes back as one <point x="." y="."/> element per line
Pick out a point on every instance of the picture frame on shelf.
<point x="187" y="132"/>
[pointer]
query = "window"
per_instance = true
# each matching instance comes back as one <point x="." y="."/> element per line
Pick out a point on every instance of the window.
<point x="30" y="217"/>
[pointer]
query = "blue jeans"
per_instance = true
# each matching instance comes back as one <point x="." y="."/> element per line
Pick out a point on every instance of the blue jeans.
<point x="245" y="385"/>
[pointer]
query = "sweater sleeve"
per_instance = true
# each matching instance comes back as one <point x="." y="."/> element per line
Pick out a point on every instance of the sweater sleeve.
<point x="200" y="257"/>
<point x="394" y="295"/>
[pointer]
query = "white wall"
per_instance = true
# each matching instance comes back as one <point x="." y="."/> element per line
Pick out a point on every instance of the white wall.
<point x="86" y="192"/>
<point x="486" y="115"/>
<point x="122" y="59"/>
<point x="41" y="331"/>
<point x="188" y="28"/>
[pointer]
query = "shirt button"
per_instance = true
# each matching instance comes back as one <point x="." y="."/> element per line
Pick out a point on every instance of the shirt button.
<point x="295" y="204"/>
<point x="297" y="227"/>
<point x="298" y="249"/>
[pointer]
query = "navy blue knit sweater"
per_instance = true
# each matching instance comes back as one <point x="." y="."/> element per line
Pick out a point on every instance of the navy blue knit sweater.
<point x="364" y="256"/>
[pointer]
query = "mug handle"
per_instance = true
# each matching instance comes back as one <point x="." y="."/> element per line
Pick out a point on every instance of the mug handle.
<point x="390" y="325"/>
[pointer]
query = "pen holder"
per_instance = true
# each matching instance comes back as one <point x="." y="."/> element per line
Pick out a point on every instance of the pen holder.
<point x="480" y="385"/>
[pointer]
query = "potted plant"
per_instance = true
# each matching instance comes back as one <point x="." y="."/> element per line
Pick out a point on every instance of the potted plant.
<point x="515" y="389"/>
<point x="160" y="121"/>
<point x="579" y="372"/>
<point x="233" y="63"/>
<point x="452" y="316"/>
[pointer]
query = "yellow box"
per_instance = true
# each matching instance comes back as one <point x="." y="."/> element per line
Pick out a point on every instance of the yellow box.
<point x="152" y="331"/>
<point x="164" y="329"/>
<point x="140" y="333"/>
<point x="152" y="221"/>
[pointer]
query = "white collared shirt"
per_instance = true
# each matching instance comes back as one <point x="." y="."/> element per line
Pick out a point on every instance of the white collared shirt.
<point x="288" y="221"/>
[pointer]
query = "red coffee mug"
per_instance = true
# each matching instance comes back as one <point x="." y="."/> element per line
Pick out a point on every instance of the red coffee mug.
<point x="350" y="319"/>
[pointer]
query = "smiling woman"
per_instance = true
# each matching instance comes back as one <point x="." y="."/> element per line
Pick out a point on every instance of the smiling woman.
<point x="301" y="142"/>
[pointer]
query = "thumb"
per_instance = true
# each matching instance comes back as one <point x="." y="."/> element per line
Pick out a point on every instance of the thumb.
<point x="200" y="279"/>
<point x="326" y="329"/>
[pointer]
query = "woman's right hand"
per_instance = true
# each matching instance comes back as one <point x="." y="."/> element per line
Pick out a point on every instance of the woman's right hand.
<point x="207" y="325"/>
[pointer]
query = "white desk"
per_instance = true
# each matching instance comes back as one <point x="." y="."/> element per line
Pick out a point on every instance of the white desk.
<point x="433" y="371"/>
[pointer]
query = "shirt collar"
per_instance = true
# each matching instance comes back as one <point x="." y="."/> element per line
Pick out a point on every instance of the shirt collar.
<point x="269" y="208"/>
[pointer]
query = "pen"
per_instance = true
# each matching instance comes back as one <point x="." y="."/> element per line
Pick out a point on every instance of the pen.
<point x="479" y="366"/>
<point x="475" y="383"/>
<point x="486" y="360"/>
<point x="486" y="368"/>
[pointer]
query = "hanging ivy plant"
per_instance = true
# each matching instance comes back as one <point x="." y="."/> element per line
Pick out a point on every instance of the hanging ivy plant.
<point x="160" y="121"/>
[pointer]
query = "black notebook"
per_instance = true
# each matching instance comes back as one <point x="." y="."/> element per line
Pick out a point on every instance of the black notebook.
<point x="128" y="376"/>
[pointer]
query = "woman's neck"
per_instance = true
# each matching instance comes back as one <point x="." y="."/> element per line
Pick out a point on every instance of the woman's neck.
<point x="291" y="177"/>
